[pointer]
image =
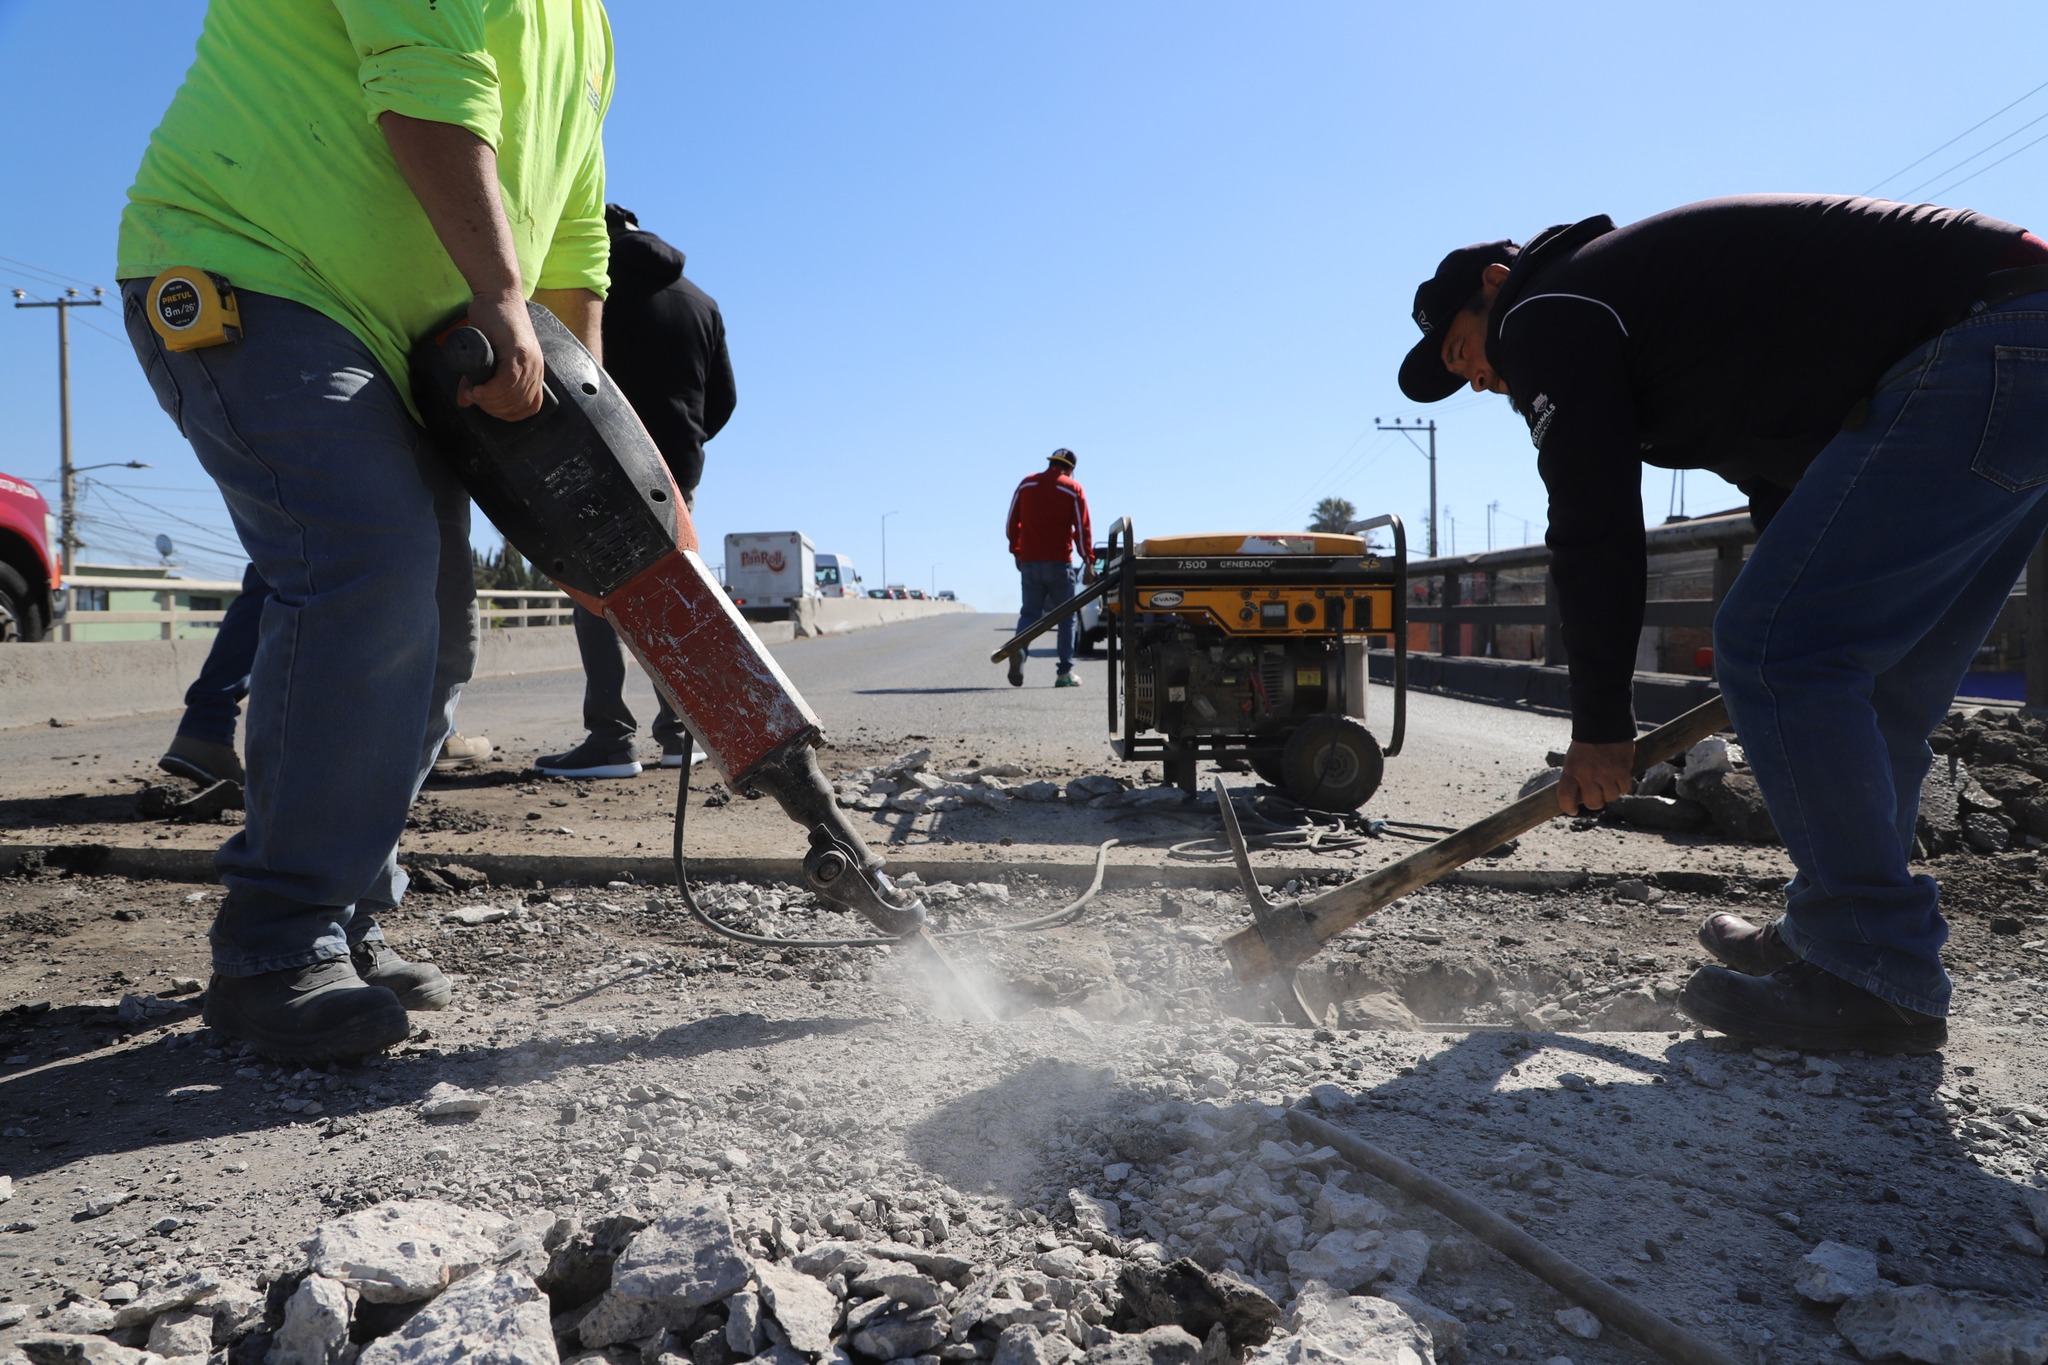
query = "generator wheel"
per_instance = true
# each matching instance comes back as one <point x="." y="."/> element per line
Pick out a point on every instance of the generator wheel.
<point x="1331" y="763"/>
<point x="1266" y="763"/>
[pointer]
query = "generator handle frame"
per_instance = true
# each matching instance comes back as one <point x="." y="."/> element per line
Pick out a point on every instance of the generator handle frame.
<point x="1393" y="519"/>
<point x="1126" y="583"/>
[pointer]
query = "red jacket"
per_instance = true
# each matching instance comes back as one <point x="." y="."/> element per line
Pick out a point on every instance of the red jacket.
<point x="1049" y="517"/>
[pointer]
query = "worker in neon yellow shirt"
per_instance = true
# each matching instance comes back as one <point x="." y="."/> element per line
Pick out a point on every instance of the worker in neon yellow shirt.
<point x="356" y="171"/>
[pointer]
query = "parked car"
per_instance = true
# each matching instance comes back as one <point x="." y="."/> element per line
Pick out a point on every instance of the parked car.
<point x="28" y="570"/>
<point x="917" y="594"/>
<point x="1089" y="628"/>
<point x="946" y="595"/>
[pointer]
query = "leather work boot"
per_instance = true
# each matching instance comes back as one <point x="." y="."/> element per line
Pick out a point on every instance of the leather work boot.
<point x="418" y="985"/>
<point x="1803" y="1007"/>
<point x="319" y="1013"/>
<point x="201" y="760"/>
<point x="1744" y="946"/>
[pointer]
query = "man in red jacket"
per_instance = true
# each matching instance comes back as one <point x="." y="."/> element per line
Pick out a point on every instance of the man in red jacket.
<point x="1048" y="519"/>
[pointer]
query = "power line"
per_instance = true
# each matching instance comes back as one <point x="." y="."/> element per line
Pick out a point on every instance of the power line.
<point x="2000" y="162"/>
<point x="1979" y="152"/>
<point x="1957" y="138"/>
<point x="45" y="270"/>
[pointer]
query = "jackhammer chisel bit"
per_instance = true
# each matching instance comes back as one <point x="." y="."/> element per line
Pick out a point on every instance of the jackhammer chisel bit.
<point x="581" y="490"/>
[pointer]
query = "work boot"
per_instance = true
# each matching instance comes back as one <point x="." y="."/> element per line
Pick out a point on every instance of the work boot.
<point x="1803" y="1007"/>
<point x="460" y="751"/>
<point x="201" y="760"/>
<point x="1066" y="680"/>
<point x="324" y="1012"/>
<point x="1744" y="946"/>
<point x="1017" y="669"/>
<point x="594" y="757"/>
<point x="418" y="985"/>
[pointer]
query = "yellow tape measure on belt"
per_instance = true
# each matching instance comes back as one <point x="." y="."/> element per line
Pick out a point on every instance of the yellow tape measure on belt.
<point x="192" y="308"/>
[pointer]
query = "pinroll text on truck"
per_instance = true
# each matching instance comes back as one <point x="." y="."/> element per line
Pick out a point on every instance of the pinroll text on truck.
<point x="770" y="569"/>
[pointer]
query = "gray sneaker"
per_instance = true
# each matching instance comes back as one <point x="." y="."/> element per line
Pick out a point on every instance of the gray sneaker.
<point x="418" y="985"/>
<point x="319" y="1013"/>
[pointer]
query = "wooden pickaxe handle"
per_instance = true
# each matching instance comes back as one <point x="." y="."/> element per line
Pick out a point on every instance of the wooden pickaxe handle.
<point x="1284" y="943"/>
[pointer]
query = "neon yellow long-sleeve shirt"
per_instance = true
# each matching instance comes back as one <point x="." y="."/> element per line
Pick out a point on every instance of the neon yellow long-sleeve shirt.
<point x="269" y="167"/>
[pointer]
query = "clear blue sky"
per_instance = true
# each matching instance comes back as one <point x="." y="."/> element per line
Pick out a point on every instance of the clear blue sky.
<point x="1180" y="238"/>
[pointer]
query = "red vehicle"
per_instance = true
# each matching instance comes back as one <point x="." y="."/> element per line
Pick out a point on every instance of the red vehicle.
<point x="28" y="572"/>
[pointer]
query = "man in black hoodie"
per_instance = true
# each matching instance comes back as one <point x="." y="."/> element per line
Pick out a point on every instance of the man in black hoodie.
<point x="664" y="343"/>
<point x="1875" y="377"/>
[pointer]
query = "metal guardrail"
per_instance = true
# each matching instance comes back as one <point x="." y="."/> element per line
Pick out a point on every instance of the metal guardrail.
<point x="496" y="607"/>
<point x="1460" y="591"/>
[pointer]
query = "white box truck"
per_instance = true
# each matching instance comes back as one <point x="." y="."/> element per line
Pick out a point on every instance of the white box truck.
<point x="838" y="578"/>
<point x="765" y="569"/>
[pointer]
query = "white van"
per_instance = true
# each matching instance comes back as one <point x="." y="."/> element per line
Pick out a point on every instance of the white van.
<point x="836" y="577"/>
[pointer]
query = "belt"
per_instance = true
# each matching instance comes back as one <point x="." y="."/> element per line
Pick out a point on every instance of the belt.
<point x="2000" y="286"/>
<point x="2003" y="286"/>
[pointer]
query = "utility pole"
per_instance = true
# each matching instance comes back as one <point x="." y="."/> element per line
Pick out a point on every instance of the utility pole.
<point x="1409" y="430"/>
<point x="885" y="549"/>
<point x="1491" y="508"/>
<point x="68" y="520"/>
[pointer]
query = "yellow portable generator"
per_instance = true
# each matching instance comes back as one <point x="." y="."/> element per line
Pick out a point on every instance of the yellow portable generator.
<point x="1251" y="647"/>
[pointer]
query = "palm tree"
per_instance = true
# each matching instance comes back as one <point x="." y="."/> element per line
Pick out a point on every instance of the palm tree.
<point x="1333" y="514"/>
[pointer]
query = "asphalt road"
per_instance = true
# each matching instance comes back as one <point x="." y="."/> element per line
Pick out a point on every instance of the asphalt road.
<point x="929" y="678"/>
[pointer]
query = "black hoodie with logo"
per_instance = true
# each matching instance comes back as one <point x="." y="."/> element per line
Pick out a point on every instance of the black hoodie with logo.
<point x="1733" y="335"/>
<point x="664" y="342"/>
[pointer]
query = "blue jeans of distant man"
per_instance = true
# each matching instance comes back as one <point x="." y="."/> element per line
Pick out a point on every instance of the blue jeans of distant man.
<point x="351" y="517"/>
<point x="605" y="713"/>
<point x="1840" y="646"/>
<point x="1047" y="584"/>
<point x="213" y="703"/>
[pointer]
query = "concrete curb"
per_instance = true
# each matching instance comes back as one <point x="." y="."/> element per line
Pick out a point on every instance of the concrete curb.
<point x="145" y="863"/>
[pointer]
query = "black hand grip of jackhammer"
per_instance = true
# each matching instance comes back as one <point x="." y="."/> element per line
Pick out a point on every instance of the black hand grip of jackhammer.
<point x="469" y="351"/>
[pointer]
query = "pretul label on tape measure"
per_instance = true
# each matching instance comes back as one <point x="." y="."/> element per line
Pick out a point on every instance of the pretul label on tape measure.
<point x="177" y="303"/>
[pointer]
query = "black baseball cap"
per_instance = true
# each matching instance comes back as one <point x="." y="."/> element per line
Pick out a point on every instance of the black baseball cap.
<point x="1437" y="301"/>
<point x="619" y="218"/>
<point x="1062" y="456"/>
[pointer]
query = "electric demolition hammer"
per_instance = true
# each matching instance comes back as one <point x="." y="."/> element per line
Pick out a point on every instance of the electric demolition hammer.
<point x="581" y="490"/>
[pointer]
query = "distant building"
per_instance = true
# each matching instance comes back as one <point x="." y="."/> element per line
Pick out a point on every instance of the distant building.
<point x="100" y="610"/>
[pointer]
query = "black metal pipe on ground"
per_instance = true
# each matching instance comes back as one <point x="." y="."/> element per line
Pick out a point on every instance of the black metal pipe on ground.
<point x="1581" y="1285"/>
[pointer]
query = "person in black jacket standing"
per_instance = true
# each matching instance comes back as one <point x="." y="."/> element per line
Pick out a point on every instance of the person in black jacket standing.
<point x="1875" y="377"/>
<point x="664" y="343"/>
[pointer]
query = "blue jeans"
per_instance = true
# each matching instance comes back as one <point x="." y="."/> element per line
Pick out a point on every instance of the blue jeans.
<point x="213" y="703"/>
<point x="352" y="518"/>
<point x="605" y="713"/>
<point x="1048" y="583"/>
<point x="1840" y="646"/>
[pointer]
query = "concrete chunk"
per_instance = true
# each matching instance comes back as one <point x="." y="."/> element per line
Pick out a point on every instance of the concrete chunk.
<point x="495" y="1317"/>
<point x="315" y="1328"/>
<point x="405" y="1250"/>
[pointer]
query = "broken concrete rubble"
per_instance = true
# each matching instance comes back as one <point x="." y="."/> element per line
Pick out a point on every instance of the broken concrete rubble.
<point x="493" y="1317"/>
<point x="315" y="1326"/>
<point x="405" y="1250"/>
<point x="1922" y="1323"/>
